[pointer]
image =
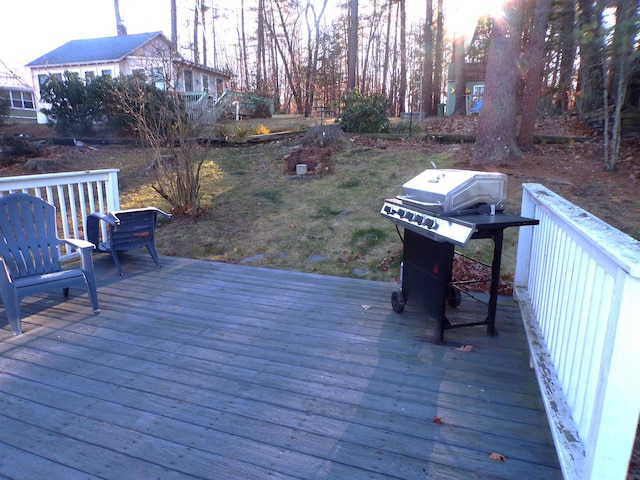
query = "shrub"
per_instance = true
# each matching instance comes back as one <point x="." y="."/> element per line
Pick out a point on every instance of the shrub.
<point x="262" y="130"/>
<point x="71" y="110"/>
<point x="363" y="114"/>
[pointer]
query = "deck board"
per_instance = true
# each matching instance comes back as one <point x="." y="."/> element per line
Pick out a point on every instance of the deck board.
<point x="209" y="370"/>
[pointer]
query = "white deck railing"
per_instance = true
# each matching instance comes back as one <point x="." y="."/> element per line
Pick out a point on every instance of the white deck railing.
<point x="578" y="284"/>
<point x="75" y="195"/>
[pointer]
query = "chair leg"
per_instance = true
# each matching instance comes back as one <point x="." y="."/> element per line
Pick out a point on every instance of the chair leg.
<point x="12" y="308"/>
<point x="93" y="294"/>
<point x="152" y="251"/>
<point x="114" y="254"/>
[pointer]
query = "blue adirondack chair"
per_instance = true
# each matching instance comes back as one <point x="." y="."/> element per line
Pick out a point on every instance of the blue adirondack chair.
<point x="30" y="252"/>
<point x="127" y="230"/>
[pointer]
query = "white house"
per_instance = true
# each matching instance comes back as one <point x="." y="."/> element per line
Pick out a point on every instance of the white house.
<point x="124" y="55"/>
<point x="17" y="94"/>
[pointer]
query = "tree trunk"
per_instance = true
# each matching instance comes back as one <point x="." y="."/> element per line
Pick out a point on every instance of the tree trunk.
<point x="244" y="47"/>
<point x="402" y="93"/>
<point x="534" y="58"/>
<point x="260" y="50"/>
<point x="567" y="52"/>
<point x="437" y="73"/>
<point x="427" y="71"/>
<point x="352" y="53"/>
<point x="496" y="132"/>
<point x="461" y="82"/>
<point x="120" y="28"/>
<point x="174" y="25"/>
<point x="590" y="77"/>
<point x="203" y="10"/>
<point x="623" y="39"/>
<point x="196" y="21"/>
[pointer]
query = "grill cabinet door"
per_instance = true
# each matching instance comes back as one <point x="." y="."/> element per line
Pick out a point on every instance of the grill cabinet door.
<point x="426" y="274"/>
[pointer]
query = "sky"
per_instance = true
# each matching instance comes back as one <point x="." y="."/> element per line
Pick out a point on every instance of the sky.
<point x="31" y="28"/>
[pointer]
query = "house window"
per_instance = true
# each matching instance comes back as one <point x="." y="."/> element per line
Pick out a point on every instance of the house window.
<point x="157" y="75"/>
<point x="89" y="76"/>
<point x="20" y="99"/>
<point x="106" y="73"/>
<point x="219" y="87"/>
<point x="188" y="81"/>
<point x="205" y="82"/>
<point x="43" y="77"/>
<point x="476" y="98"/>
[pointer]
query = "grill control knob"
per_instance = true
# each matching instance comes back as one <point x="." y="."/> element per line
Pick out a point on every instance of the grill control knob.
<point x="418" y="219"/>
<point x="429" y="223"/>
<point x="409" y="216"/>
<point x="401" y="212"/>
<point x="388" y="209"/>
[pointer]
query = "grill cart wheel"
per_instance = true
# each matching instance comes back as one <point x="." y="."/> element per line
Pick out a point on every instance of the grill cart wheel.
<point x="454" y="298"/>
<point x="397" y="301"/>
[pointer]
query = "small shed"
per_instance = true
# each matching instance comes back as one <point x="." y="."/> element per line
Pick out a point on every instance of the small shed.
<point x="474" y="86"/>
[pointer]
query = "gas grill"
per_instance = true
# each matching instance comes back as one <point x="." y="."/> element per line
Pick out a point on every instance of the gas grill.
<point x="439" y="210"/>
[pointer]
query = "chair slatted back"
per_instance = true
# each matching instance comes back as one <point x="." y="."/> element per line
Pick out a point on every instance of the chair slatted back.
<point x="28" y="240"/>
<point x="135" y="228"/>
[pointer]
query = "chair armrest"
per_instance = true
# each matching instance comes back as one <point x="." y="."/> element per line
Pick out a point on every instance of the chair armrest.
<point x="93" y="226"/>
<point x="85" y="249"/>
<point x="109" y="218"/>
<point x="164" y="214"/>
<point x="78" y="243"/>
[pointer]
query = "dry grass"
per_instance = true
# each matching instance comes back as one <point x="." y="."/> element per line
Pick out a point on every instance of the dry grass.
<point x="255" y="214"/>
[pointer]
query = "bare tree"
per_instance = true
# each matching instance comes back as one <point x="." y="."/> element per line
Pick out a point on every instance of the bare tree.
<point x="625" y="31"/>
<point x="313" y="44"/>
<point x="496" y="132"/>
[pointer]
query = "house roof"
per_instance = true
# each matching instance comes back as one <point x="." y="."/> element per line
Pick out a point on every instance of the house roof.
<point x="94" y="50"/>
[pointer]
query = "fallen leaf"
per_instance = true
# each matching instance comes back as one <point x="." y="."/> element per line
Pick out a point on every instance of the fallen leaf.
<point x="497" y="457"/>
<point x="365" y="307"/>
<point x="465" y="348"/>
<point x="437" y="420"/>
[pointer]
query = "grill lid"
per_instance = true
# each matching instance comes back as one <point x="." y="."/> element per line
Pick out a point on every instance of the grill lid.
<point x="449" y="190"/>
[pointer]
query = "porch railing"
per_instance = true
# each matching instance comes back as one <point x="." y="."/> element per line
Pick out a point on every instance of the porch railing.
<point x="75" y="195"/>
<point x="578" y="284"/>
<point x="200" y="108"/>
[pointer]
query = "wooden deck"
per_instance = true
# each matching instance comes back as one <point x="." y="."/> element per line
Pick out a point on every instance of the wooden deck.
<point x="218" y="371"/>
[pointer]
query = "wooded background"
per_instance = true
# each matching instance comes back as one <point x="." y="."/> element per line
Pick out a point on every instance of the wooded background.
<point x="544" y="56"/>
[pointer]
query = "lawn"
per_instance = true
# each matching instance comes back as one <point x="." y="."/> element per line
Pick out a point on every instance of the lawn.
<point x="331" y="225"/>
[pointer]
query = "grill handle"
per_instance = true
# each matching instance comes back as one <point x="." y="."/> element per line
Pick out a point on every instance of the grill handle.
<point x="418" y="202"/>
